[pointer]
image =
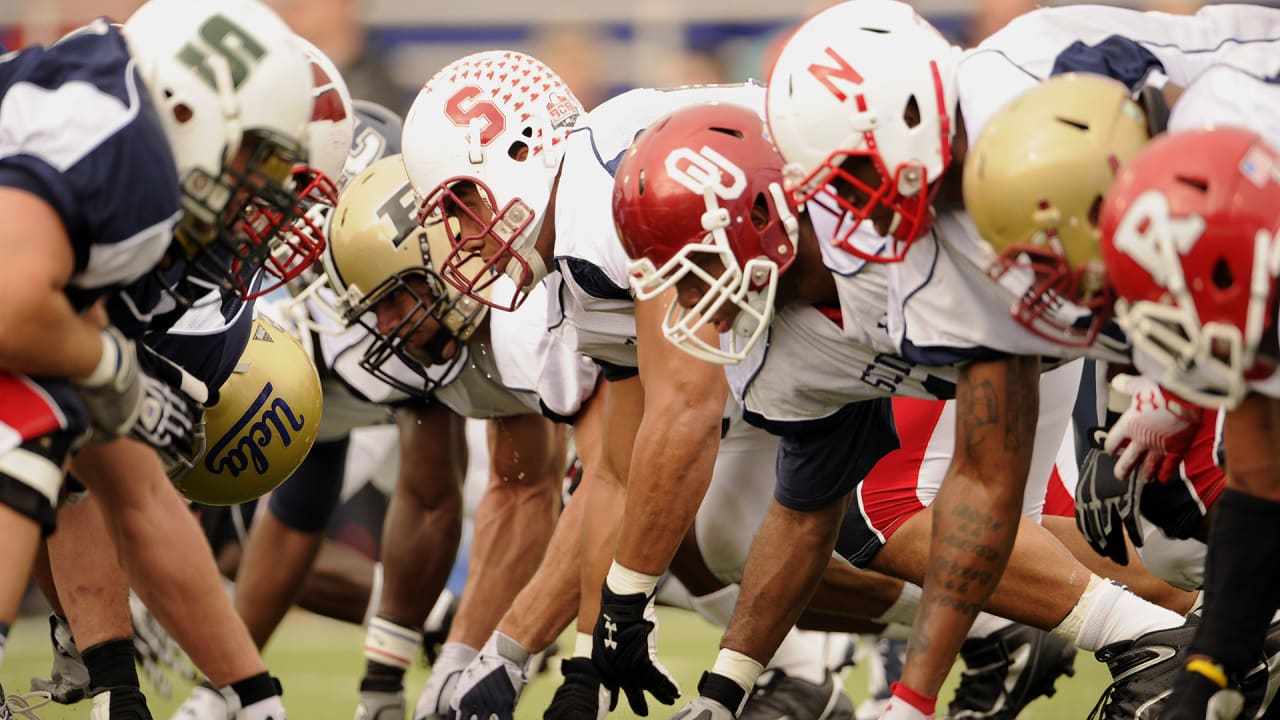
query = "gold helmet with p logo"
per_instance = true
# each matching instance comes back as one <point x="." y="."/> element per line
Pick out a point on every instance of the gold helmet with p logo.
<point x="1034" y="183"/>
<point x="377" y="250"/>
<point x="263" y="425"/>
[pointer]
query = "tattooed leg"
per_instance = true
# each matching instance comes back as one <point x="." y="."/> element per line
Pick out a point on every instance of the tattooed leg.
<point x="976" y="512"/>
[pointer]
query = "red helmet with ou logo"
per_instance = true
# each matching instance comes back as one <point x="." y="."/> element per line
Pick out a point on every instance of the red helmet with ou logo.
<point x="700" y="193"/>
<point x="1189" y="240"/>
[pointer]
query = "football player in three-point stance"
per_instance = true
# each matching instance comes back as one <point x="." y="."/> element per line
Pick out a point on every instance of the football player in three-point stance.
<point x="111" y="213"/>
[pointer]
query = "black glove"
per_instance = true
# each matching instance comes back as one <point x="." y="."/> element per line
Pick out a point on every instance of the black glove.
<point x="1107" y="506"/>
<point x="624" y="651"/>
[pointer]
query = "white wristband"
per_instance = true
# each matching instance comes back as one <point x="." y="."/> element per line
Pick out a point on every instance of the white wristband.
<point x="108" y="362"/>
<point x="626" y="582"/>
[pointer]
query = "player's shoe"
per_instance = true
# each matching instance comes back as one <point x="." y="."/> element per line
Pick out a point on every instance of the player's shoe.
<point x="779" y="696"/>
<point x="22" y="706"/>
<point x="884" y="667"/>
<point x="204" y="703"/>
<point x="380" y="705"/>
<point x="1007" y="670"/>
<point x="580" y="696"/>
<point x="1143" y="672"/>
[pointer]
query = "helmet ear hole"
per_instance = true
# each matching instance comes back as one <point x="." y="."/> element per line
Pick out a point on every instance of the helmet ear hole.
<point x="1095" y="211"/>
<point x="518" y="151"/>
<point x="183" y="113"/>
<point x="760" y="215"/>
<point x="1222" y="277"/>
<point x="911" y="113"/>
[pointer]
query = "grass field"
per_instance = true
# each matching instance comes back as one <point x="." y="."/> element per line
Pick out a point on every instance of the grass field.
<point x="319" y="662"/>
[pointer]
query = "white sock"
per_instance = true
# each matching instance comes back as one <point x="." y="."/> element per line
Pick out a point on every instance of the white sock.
<point x="986" y="624"/>
<point x="737" y="667"/>
<point x="1108" y="613"/>
<point x="391" y="644"/>
<point x="717" y="607"/>
<point x="802" y="654"/>
<point x="903" y="610"/>
<point x="582" y="645"/>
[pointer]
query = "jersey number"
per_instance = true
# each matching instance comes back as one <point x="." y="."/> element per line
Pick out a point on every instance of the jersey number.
<point x="228" y="42"/>
<point x="463" y="107"/>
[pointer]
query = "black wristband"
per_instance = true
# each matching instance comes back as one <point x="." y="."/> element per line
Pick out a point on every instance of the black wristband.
<point x="723" y="690"/>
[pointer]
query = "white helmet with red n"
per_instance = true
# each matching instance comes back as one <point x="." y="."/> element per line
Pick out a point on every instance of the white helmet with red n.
<point x="866" y="79"/>
<point x="498" y="120"/>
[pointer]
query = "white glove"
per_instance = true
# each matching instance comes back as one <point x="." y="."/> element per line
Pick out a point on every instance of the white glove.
<point x="1154" y="433"/>
<point x="490" y="685"/>
<point x="69" y="681"/>
<point x="113" y="391"/>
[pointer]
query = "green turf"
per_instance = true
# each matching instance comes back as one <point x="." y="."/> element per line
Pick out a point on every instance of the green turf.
<point x="319" y="662"/>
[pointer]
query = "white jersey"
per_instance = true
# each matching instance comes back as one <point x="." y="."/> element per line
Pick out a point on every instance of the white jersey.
<point x="593" y="310"/>
<point x="809" y="368"/>
<point x="943" y="307"/>
<point x="1024" y="52"/>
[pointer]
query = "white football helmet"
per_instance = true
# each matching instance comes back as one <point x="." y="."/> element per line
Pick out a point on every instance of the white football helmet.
<point x="499" y="120"/>
<point x="333" y="119"/>
<point x="232" y="88"/>
<point x="866" y="79"/>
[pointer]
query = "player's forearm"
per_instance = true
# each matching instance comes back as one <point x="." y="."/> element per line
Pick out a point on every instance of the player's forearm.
<point x="41" y="334"/>
<point x="670" y="470"/>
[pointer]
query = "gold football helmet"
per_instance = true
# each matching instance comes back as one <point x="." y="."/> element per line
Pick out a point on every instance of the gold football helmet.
<point x="378" y="251"/>
<point x="263" y="425"/>
<point x="1034" y="183"/>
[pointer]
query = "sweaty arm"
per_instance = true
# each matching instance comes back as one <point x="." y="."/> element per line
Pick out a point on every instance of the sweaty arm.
<point x="976" y="512"/>
<point x="40" y="332"/>
<point x="675" y="447"/>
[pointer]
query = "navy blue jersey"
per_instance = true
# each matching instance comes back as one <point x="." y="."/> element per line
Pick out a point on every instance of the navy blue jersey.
<point x="78" y="130"/>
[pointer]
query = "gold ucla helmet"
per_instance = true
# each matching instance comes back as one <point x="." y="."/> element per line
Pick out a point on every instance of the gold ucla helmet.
<point x="1034" y="183"/>
<point x="263" y="425"/>
<point x="377" y="250"/>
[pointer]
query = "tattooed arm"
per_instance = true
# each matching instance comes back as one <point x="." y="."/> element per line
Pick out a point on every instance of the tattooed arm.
<point x="975" y="515"/>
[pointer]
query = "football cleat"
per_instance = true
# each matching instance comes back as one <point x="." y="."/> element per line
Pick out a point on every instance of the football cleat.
<point x="581" y="696"/>
<point x="380" y="705"/>
<point x="884" y="665"/>
<point x="1007" y="670"/>
<point x="778" y="696"/>
<point x="1143" y="672"/>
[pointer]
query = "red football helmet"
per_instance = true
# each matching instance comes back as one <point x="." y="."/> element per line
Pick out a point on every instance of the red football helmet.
<point x="1189" y="240"/>
<point x="702" y="187"/>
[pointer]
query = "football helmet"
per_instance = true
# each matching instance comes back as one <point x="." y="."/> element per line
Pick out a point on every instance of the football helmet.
<point x="497" y="120"/>
<point x="232" y="88"/>
<point x="866" y="81"/>
<point x="1034" y="183"/>
<point x="378" y="252"/>
<point x="1189" y="240"/>
<point x="329" y="137"/>
<point x="705" y="183"/>
<point x="263" y="425"/>
<point x="377" y="135"/>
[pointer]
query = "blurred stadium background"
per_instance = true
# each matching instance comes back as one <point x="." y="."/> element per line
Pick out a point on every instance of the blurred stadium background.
<point x="387" y="49"/>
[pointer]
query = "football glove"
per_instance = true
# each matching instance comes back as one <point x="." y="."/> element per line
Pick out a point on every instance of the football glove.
<point x="113" y="392"/>
<point x="172" y="415"/>
<point x="490" y="685"/>
<point x="1155" y="431"/>
<point x="716" y="695"/>
<point x="1107" y="506"/>
<point x="624" y="651"/>
<point x="580" y="696"/>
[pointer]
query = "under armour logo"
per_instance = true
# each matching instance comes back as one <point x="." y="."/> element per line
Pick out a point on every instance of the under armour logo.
<point x="1145" y="399"/>
<point x="610" y="627"/>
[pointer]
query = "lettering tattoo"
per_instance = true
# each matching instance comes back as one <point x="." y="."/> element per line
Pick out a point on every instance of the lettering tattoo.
<point x="977" y="406"/>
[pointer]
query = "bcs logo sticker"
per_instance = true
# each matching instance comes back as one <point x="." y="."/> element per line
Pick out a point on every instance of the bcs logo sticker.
<point x="562" y="110"/>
